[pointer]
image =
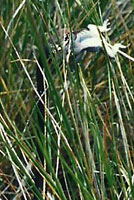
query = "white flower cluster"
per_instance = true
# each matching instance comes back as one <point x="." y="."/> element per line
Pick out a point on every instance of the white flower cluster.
<point x="91" y="39"/>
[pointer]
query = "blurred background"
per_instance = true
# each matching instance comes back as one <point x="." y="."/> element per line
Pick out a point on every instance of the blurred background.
<point x="69" y="126"/>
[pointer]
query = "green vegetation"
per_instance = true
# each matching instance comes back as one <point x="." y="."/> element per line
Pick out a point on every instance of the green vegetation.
<point x="88" y="139"/>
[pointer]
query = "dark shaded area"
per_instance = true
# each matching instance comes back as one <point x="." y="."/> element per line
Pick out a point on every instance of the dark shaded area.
<point x="40" y="88"/>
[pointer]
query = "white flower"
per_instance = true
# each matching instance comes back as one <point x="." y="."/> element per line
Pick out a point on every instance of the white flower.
<point x="91" y="39"/>
<point x="112" y="50"/>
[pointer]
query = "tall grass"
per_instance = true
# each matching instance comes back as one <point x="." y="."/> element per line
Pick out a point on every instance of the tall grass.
<point x="87" y="144"/>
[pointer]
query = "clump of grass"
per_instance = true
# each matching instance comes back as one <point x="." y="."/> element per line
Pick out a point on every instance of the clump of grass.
<point x="87" y="140"/>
